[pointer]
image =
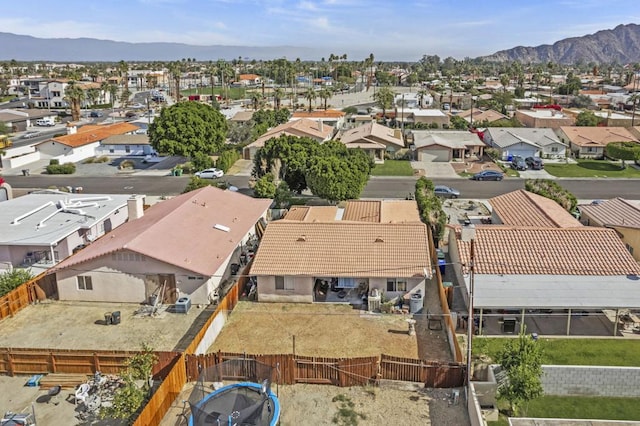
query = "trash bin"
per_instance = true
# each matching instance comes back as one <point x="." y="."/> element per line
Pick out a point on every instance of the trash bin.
<point x="115" y="318"/>
<point x="415" y="303"/>
<point x="442" y="264"/>
<point x="108" y="318"/>
<point x="25" y="172"/>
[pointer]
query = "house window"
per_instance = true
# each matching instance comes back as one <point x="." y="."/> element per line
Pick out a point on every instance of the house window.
<point x="629" y="248"/>
<point x="84" y="282"/>
<point x="284" y="283"/>
<point x="396" y="284"/>
<point x="55" y="94"/>
<point x="127" y="149"/>
<point x="590" y="149"/>
<point x="554" y="149"/>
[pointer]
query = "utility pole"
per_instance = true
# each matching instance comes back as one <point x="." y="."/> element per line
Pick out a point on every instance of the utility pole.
<point x="470" y="323"/>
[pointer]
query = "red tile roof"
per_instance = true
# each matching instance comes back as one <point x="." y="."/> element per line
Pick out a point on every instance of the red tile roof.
<point x="92" y="133"/>
<point x="343" y="249"/>
<point x="510" y="250"/>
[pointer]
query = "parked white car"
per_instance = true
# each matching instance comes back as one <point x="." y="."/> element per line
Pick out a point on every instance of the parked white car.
<point x="210" y="174"/>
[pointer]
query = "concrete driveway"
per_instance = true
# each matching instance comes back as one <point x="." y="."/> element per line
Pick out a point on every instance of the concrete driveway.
<point x="536" y="174"/>
<point x="435" y="169"/>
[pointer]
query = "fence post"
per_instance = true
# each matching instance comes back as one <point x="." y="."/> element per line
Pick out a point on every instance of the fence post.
<point x="52" y="360"/>
<point x="10" y="363"/>
<point x="96" y="362"/>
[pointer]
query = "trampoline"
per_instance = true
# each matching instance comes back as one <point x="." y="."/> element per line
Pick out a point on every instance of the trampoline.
<point x="245" y="403"/>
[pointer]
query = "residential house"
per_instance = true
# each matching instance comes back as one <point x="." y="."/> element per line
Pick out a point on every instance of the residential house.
<point x="590" y="142"/>
<point x="184" y="246"/>
<point x="524" y="208"/>
<point x="345" y="255"/>
<point x="329" y="117"/>
<point x="43" y="228"/>
<point x="621" y="215"/>
<point x="125" y="145"/>
<point x="537" y="268"/>
<point x="249" y="80"/>
<point x="375" y="139"/>
<point x="543" y="118"/>
<point x="313" y="129"/>
<point x="83" y="144"/>
<point x="427" y="117"/>
<point x="445" y="145"/>
<point x="635" y="130"/>
<point x="479" y="116"/>
<point x="19" y="120"/>
<point x="525" y="142"/>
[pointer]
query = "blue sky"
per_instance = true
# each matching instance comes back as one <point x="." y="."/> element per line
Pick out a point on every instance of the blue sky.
<point x="391" y="29"/>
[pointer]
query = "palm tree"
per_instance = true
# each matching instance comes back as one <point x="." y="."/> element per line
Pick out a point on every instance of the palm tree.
<point x="421" y="95"/>
<point x="92" y="95"/>
<point x="123" y="69"/>
<point x="325" y="94"/>
<point x="309" y="95"/>
<point x="74" y="96"/>
<point x="278" y="95"/>
<point x="384" y="99"/>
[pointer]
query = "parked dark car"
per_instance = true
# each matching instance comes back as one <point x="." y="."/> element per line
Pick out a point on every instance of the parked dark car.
<point x="518" y="163"/>
<point x="446" y="191"/>
<point x="534" y="163"/>
<point x="488" y="175"/>
<point x="96" y="114"/>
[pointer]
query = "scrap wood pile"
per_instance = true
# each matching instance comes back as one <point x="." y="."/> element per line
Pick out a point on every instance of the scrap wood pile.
<point x="64" y="380"/>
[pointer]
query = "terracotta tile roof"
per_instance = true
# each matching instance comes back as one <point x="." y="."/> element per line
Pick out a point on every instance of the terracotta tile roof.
<point x="597" y="136"/>
<point x="511" y="250"/>
<point x="614" y="212"/>
<point x="93" y="133"/>
<point x="248" y="76"/>
<point x="330" y="113"/>
<point x="181" y="231"/>
<point x="343" y="249"/>
<point x="524" y="208"/>
<point x="480" y="115"/>
<point x="374" y="211"/>
<point x="372" y="134"/>
<point x="300" y="128"/>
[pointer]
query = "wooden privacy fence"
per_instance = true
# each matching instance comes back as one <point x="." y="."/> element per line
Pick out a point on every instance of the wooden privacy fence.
<point x="292" y="369"/>
<point x="167" y="392"/>
<point x="433" y="374"/>
<point x="32" y="361"/>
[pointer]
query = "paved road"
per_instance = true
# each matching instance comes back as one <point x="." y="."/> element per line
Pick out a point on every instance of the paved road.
<point x="378" y="187"/>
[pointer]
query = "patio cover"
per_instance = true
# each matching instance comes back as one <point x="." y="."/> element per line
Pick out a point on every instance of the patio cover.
<point x="556" y="291"/>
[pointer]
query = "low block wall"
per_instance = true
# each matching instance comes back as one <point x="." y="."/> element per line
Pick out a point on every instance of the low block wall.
<point x="591" y="381"/>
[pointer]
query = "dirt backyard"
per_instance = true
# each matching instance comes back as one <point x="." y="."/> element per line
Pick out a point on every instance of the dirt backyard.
<point x="326" y="330"/>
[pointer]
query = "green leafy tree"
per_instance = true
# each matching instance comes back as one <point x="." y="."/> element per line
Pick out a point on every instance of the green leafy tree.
<point x="13" y="279"/>
<point x="430" y="208"/>
<point x="384" y="99"/>
<point x="521" y="358"/>
<point x="624" y="151"/>
<point x="458" y="123"/>
<point x="265" y="187"/>
<point x="201" y="161"/>
<point x="187" y="128"/>
<point x="337" y="173"/>
<point x="196" y="183"/>
<point x="129" y="398"/>
<point x="587" y="119"/>
<point x="227" y="159"/>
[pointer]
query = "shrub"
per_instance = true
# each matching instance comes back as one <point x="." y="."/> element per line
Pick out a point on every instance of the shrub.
<point x="127" y="164"/>
<point x="90" y="160"/>
<point x="493" y="153"/>
<point x="265" y="187"/>
<point x="187" y="167"/>
<point x="54" y="162"/>
<point x="550" y="189"/>
<point x="227" y="159"/>
<point x="102" y="159"/>
<point x="13" y="279"/>
<point x="61" y="169"/>
<point x="201" y="161"/>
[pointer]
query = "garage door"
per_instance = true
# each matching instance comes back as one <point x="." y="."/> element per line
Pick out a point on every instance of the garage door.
<point x="439" y="155"/>
<point x="524" y="153"/>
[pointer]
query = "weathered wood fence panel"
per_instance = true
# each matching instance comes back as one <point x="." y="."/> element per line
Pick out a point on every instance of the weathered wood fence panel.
<point x="433" y="374"/>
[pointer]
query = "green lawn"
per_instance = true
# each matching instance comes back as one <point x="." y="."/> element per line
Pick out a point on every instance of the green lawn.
<point x="592" y="168"/>
<point x="393" y="168"/>
<point x="609" y="352"/>
<point x="584" y="407"/>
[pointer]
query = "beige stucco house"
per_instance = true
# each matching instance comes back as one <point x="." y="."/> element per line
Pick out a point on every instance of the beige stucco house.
<point x="375" y="139"/>
<point x="331" y="254"/>
<point x="590" y="142"/>
<point x="179" y="247"/>
<point x="616" y="213"/>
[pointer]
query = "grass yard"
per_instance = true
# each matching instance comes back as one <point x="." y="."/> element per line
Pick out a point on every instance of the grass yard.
<point x="393" y="168"/>
<point x="610" y="352"/>
<point x="592" y="168"/>
<point x="320" y="330"/>
<point x="574" y="407"/>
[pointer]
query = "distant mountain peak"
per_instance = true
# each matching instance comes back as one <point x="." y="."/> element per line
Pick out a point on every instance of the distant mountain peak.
<point x="620" y="45"/>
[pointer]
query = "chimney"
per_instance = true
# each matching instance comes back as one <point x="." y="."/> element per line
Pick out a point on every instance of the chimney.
<point x="135" y="207"/>
<point x="72" y="128"/>
<point x="397" y="133"/>
<point x="468" y="232"/>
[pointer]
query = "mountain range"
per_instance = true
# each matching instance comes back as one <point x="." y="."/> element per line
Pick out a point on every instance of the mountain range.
<point x="619" y="45"/>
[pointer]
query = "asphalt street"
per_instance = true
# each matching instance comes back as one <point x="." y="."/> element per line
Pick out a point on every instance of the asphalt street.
<point x="378" y="187"/>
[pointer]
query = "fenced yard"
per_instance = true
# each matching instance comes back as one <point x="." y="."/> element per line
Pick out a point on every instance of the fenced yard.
<point x="323" y="330"/>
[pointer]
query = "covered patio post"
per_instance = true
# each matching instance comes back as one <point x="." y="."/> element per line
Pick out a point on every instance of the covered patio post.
<point x="615" y="322"/>
<point x="522" y="321"/>
<point x="569" y="321"/>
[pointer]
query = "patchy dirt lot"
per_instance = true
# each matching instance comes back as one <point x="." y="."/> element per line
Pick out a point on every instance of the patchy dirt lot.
<point x="326" y="330"/>
<point x="392" y="403"/>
